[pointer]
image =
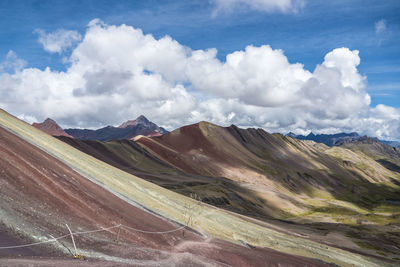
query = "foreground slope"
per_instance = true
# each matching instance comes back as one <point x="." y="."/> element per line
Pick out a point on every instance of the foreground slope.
<point x="209" y="220"/>
<point x="39" y="194"/>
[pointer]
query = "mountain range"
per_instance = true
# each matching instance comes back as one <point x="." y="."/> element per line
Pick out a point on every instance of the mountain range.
<point x="244" y="196"/>
<point x="127" y="130"/>
<point x="142" y="126"/>
<point x="341" y="138"/>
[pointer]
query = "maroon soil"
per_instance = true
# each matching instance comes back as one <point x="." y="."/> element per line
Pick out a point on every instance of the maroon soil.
<point x="131" y="157"/>
<point x="41" y="194"/>
<point x="181" y="147"/>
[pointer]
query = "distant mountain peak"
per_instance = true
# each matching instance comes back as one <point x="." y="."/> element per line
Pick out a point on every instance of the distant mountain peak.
<point x="139" y="120"/>
<point x="127" y="130"/>
<point x="142" y="118"/>
<point x="48" y="120"/>
<point x="51" y="127"/>
<point x="339" y="139"/>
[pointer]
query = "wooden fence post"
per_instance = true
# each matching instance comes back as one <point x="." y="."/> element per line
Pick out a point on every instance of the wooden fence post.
<point x="73" y="241"/>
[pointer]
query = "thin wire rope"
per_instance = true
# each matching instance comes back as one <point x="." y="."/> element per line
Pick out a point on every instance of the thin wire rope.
<point x="151" y="232"/>
<point x="93" y="231"/>
<point x="36" y="243"/>
<point x="98" y="230"/>
<point x="60" y="237"/>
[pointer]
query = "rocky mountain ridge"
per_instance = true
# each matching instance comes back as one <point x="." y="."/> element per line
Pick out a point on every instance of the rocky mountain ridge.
<point x="127" y="130"/>
<point x="339" y="139"/>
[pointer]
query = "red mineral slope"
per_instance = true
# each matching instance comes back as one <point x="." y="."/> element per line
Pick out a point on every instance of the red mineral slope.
<point x="202" y="148"/>
<point x="256" y="158"/>
<point x="39" y="195"/>
<point x="51" y="127"/>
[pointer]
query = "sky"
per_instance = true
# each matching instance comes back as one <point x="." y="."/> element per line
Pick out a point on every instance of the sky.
<point x="281" y="65"/>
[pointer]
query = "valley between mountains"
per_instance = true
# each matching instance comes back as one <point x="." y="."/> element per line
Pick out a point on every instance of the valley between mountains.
<point x="239" y="197"/>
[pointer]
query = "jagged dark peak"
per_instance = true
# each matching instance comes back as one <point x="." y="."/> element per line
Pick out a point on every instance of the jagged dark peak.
<point x="139" y="120"/>
<point x="48" y="120"/>
<point x="233" y="126"/>
<point x="142" y="118"/>
<point x="129" y="129"/>
<point x="327" y="139"/>
<point x="357" y="139"/>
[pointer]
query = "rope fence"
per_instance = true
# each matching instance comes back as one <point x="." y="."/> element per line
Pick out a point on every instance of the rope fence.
<point x="148" y="232"/>
<point x="120" y="226"/>
<point x="54" y="239"/>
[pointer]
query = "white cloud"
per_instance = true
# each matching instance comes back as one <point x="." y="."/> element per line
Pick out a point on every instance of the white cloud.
<point x="58" y="41"/>
<point x="261" y="80"/>
<point x="258" y="76"/>
<point x="380" y="26"/>
<point x="116" y="73"/>
<point x="284" y="6"/>
<point x="12" y="63"/>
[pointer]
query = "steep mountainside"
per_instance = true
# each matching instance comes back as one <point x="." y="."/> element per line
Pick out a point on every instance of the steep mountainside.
<point x="211" y="221"/>
<point x="51" y="127"/>
<point x="297" y="181"/>
<point x="128" y="130"/>
<point x="254" y="157"/>
<point x="127" y="155"/>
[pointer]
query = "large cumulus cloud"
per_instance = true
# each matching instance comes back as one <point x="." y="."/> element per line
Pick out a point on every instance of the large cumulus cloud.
<point x="116" y="73"/>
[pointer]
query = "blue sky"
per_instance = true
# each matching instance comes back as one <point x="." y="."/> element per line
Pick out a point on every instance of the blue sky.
<point x="305" y="34"/>
<point x="305" y="37"/>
